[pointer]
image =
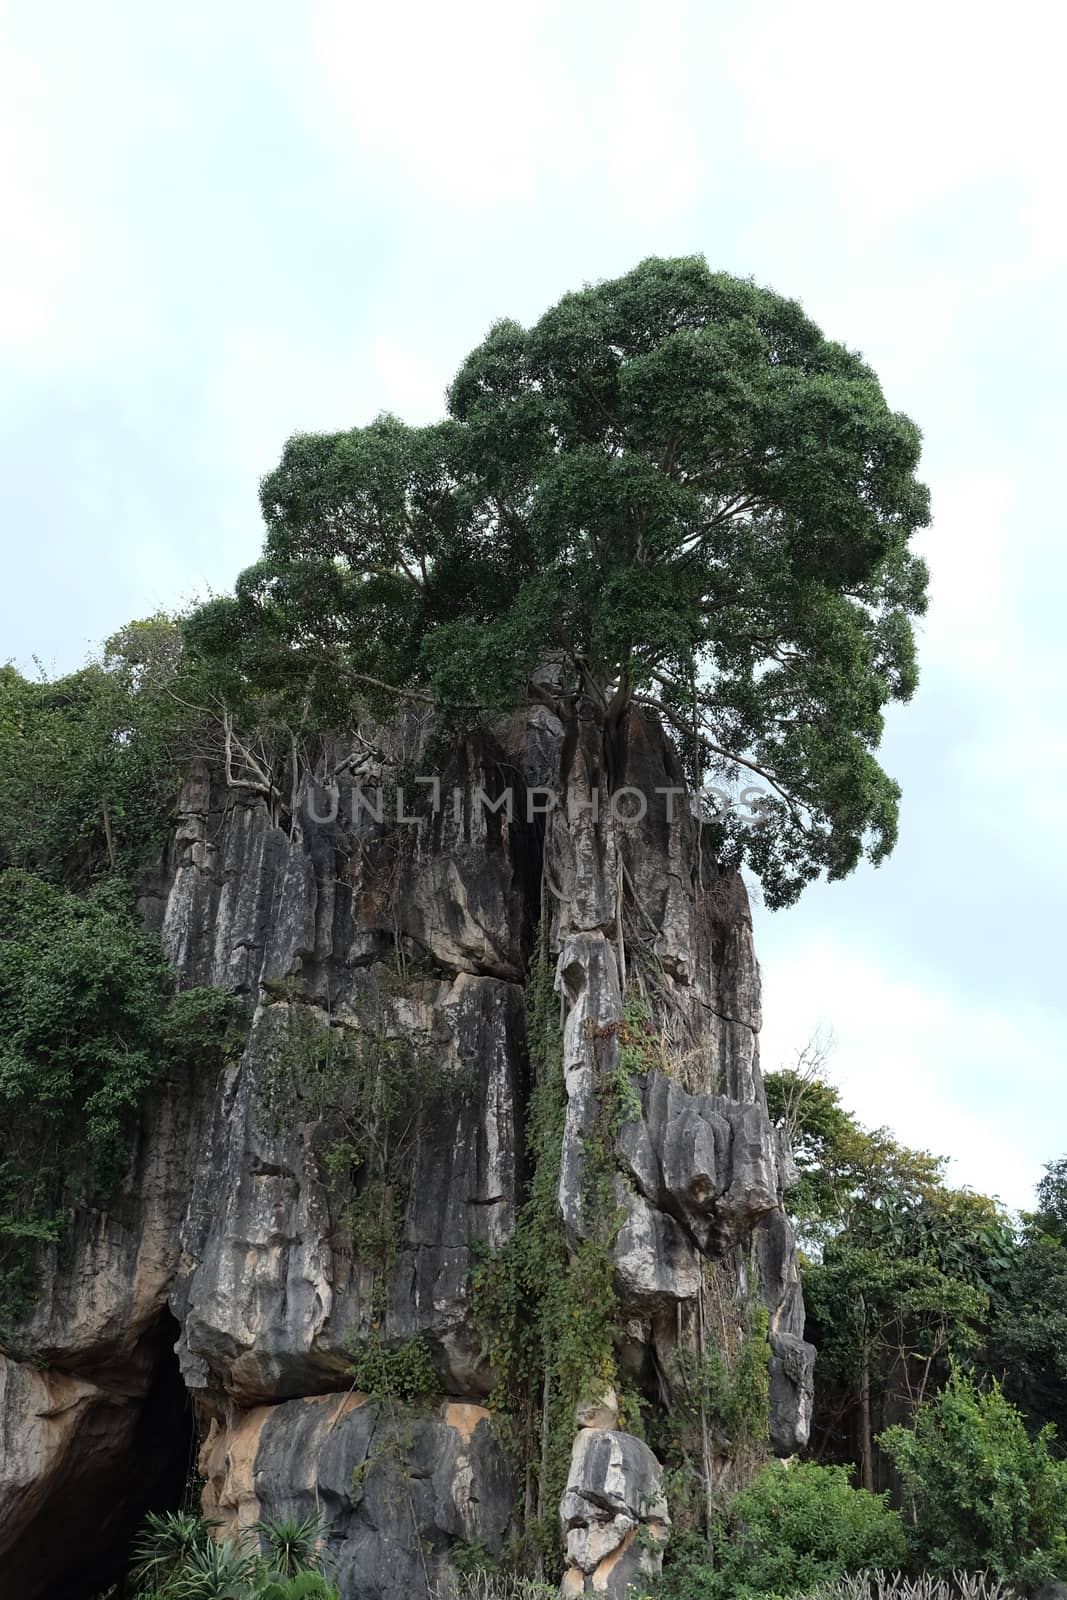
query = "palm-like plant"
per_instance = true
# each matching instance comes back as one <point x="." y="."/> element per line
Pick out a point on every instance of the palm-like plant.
<point x="304" y="1586"/>
<point x="164" y="1545"/>
<point x="292" y="1545"/>
<point x="216" y="1571"/>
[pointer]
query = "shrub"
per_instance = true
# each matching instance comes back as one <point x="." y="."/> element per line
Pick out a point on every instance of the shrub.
<point x="494" y="1586"/>
<point x="175" y="1557"/>
<point x="163" y="1546"/>
<point x="404" y="1374"/>
<point x="790" y="1530"/>
<point x="303" y="1586"/>
<point x="215" y="1571"/>
<point x="984" y="1493"/>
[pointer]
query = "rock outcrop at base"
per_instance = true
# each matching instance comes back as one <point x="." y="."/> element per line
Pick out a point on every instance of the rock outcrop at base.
<point x="614" y="1514"/>
<point x="244" y="1238"/>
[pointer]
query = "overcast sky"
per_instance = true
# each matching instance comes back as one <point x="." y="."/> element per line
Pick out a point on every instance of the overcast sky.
<point x="223" y="223"/>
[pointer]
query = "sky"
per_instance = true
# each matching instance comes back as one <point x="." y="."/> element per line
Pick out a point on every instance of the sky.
<point x="226" y="223"/>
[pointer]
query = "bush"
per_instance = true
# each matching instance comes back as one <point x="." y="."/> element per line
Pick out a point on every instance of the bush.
<point x="304" y="1586"/>
<point x="792" y="1529"/>
<point x="984" y="1493"/>
<point x="403" y="1374"/>
<point x="292" y="1546"/>
<point x="164" y="1545"/>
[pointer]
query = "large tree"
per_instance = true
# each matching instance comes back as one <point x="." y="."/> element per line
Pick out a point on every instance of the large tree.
<point x="675" y="494"/>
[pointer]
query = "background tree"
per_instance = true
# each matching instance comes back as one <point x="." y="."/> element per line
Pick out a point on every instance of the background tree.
<point x="900" y="1268"/>
<point x="1026" y="1348"/>
<point x="91" y="763"/>
<point x="673" y="489"/>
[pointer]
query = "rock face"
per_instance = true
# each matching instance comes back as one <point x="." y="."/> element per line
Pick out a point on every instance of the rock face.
<point x="393" y="1491"/>
<point x="614" y="1513"/>
<point x="275" y="1218"/>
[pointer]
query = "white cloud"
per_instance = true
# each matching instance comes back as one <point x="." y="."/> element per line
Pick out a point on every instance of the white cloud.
<point x="651" y="143"/>
<point x="407" y="384"/>
<point x="972" y="626"/>
<point x="899" y="107"/>
<point x="943" y="1072"/>
<point x="484" y="104"/>
<point x="38" y="244"/>
<point x="270" y="384"/>
<point x="471" y="97"/>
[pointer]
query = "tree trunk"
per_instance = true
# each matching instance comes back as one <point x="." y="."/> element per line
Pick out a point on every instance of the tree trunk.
<point x="866" y="1443"/>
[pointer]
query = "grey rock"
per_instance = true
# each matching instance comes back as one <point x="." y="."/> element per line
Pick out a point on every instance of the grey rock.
<point x="268" y="1295"/>
<point x="792" y="1392"/>
<point x="229" y="1237"/>
<point x="396" y="1490"/>
<point x="614" y="1514"/>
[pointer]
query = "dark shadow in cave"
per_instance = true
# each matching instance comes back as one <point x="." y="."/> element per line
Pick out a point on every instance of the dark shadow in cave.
<point x="79" y="1545"/>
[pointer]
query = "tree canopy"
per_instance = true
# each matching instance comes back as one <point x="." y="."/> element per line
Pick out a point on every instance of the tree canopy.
<point x="675" y="493"/>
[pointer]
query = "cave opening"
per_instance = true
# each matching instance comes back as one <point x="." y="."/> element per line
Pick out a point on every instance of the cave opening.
<point x="154" y="1471"/>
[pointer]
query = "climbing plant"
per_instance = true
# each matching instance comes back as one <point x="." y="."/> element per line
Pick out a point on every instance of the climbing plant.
<point x="547" y="1302"/>
<point x="371" y="1084"/>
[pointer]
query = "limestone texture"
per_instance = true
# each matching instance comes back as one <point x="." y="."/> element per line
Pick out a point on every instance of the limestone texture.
<point x="209" y="1309"/>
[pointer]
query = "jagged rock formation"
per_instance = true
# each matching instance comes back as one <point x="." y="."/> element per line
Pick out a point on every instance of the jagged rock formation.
<point x="237" y="1237"/>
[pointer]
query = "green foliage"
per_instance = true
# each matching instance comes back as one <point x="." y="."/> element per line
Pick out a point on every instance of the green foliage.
<point x="982" y="1491"/>
<point x="87" y="1024"/>
<point x="301" y="1586"/>
<point x="732" y="1393"/>
<point x="904" y="1267"/>
<point x="673" y="486"/>
<point x="90" y="764"/>
<point x="792" y="1528"/>
<point x="403" y="1373"/>
<point x="1026" y="1341"/>
<point x="843" y="1169"/>
<point x="164" y="1545"/>
<point x="1051" y="1215"/>
<point x="714" y="1430"/>
<point x="80" y="992"/>
<point x="177" y="1557"/>
<point x="215" y="1570"/>
<point x="292" y="1544"/>
<point x="486" y="1585"/>
<point x="870" y="1303"/>
<point x="89" y="772"/>
<point x="923" y="1586"/>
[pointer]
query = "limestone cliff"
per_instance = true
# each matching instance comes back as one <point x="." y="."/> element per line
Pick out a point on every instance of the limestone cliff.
<point x="233" y="1241"/>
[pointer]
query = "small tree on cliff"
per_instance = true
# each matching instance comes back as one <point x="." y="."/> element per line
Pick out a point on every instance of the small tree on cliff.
<point x="673" y="489"/>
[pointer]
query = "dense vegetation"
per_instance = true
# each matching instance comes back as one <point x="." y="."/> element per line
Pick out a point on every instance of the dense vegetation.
<point x="89" y="1016"/>
<point x="671" y="493"/>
